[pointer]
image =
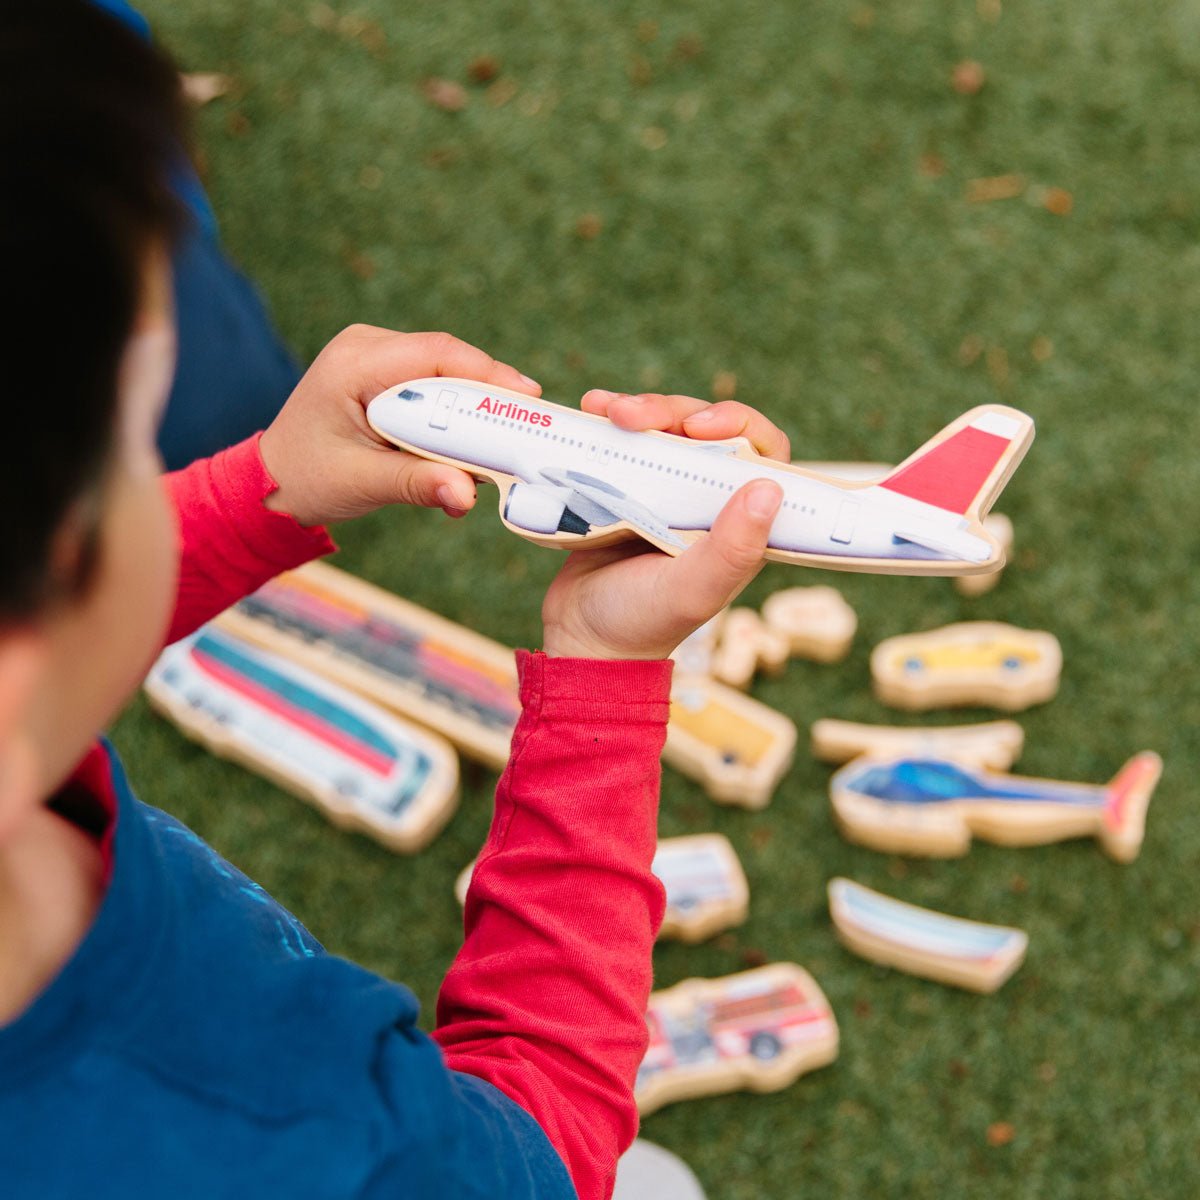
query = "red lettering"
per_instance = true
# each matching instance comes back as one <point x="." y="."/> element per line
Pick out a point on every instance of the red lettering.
<point x="485" y="405"/>
<point x="546" y="419"/>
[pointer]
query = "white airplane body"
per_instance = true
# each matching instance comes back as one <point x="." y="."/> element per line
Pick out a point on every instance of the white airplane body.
<point x="574" y="475"/>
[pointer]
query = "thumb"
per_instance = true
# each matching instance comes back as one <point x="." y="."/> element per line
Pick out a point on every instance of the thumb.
<point x="713" y="570"/>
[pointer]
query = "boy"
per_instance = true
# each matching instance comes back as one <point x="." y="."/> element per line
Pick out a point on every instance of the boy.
<point x="166" y="1029"/>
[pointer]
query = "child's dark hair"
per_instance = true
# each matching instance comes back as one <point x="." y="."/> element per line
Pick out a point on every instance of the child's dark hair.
<point x="91" y="124"/>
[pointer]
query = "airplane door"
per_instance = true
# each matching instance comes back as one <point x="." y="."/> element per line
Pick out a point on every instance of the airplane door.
<point x="847" y="518"/>
<point x="440" y="417"/>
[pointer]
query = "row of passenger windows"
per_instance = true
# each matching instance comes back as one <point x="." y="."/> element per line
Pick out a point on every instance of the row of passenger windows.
<point x="630" y="458"/>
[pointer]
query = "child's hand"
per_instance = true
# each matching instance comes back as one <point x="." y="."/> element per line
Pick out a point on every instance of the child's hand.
<point x="629" y="600"/>
<point x="330" y="465"/>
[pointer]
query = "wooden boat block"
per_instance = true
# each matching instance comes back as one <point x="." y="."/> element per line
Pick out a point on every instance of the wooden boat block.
<point x="966" y="954"/>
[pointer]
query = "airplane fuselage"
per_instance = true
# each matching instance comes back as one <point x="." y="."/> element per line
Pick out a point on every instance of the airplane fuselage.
<point x="683" y="482"/>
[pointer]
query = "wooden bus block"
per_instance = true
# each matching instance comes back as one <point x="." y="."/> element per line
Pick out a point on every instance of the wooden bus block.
<point x="965" y="954"/>
<point x="760" y="1030"/>
<point x="737" y="748"/>
<point x="993" y="744"/>
<point x="974" y="663"/>
<point x="463" y="685"/>
<point x="364" y="768"/>
<point x="934" y="807"/>
<point x="816" y="622"/>
<point x="568" y="478"/>
<point x="704" y="881"/>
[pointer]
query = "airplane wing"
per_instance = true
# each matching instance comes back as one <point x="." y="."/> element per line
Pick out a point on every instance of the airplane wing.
<point x="599" y="503"/>
<point x="966" y="546"/>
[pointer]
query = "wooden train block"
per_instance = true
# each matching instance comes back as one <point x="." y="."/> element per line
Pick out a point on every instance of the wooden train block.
<point x="993" y="744"/>
<point x="463" y="685"/>
<point x="364" y="768"/>
<point x="568" y="478"/>
<point x="760" y="1030"/>
<point x="974" y="663"/>
<point x="920" y="941"/>
<point x="703" y="878"/>
<point x="933" y="807"/>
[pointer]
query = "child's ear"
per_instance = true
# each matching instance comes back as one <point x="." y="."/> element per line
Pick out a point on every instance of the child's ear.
<point x="22" y="659"/>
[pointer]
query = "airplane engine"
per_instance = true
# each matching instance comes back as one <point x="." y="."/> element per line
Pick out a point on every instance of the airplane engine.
<point x="541" y="509"/>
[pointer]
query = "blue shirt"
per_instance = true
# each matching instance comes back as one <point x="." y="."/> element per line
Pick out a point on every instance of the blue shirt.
<point x="200" y="1043"/>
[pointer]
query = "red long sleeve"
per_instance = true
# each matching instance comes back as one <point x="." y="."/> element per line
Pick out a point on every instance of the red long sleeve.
<point x="546" y="999"/>
<point x="230" y="543"/>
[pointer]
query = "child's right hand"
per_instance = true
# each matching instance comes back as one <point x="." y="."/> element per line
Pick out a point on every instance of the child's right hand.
<point x="630" y="600"/>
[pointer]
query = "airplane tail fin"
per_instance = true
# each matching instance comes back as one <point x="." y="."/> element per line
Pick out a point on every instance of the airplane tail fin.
<point x="1128" y="798"/>
<point x="964" y="468"/>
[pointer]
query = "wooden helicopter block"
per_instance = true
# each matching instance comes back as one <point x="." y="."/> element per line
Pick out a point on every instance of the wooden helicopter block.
<point x="996" y="524"/>
<point x="746" y="645"/>
<point x="993" y="744"/>
<point x="965" y="954"/>
<point x="364" y="768"/>
<point x="933" y="807"/>
<point x="735" y="747"/>
<point x="759" y="1029"/>
<point x="568" y="478"/>
<point x="816" y="622"/>
<point x="463" y="685"/>
<point x="984" y="663"/>
<point x="703" y="878"/>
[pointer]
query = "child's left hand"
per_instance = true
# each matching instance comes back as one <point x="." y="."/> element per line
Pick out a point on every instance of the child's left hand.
<point x="331" y="465"/>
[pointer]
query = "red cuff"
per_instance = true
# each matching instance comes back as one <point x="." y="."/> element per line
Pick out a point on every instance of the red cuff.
<point x="241" y="482"/>
<point x="625" y="690"/>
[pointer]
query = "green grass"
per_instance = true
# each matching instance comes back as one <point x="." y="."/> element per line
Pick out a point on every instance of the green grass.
<point x="784" y="230"/>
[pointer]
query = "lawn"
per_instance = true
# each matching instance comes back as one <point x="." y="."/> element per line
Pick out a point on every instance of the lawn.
<point x="787" y="199"/>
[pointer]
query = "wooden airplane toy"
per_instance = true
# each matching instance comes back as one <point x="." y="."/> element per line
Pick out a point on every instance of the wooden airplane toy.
<point x="997" y="524"/>
<point x="985" y="663"/>
<point x="463" y="685"/>
<point x="933" y="807"/>
<point x="568" y="478"/>
<point x="993" y="744"/>
<point x="364" y="768"/>
<point x="759" y="1029"/>
<point x="966" y="954"/>
<point x="703" y="878"/>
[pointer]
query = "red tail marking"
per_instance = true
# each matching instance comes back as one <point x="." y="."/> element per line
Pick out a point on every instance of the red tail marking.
<point x="951" y="474"/>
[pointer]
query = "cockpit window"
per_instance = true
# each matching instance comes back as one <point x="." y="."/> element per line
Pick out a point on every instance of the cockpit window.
<point x="409" y="394"/>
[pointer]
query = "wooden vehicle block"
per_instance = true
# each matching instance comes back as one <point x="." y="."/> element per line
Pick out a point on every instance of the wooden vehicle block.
<point x="759" y="1029"/>
<point x="966" y="954"/>
<point x="430" y="670"/>
<point x="364" y="768"/>
<point x="984" y="663"/>
<point x="746" y="645"/>
<point x="816" y="622"/>
<point x="993" y="744"/>
<point x="735" y="747"/>
<point x="704" y="881"/>
<point x="464" y="685"/>
<point x="569" y="478"/>
<point x="933" y="807"/>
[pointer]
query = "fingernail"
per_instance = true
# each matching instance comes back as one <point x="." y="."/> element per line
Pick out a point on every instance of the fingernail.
<point x="533" y="383"/>
<point x="447" y="497"/>
<point x="705" y="414"/>
<point x="763" y="498"/>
